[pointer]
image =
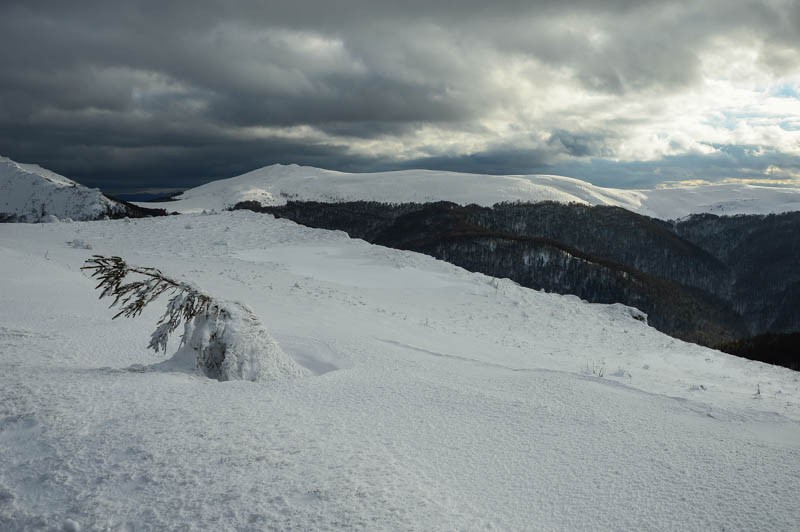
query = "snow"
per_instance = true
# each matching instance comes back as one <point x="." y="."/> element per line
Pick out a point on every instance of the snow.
<point x="435" y="399"/>
<point x="36" y="194"/>
<point x="231" y="344"/>
<point x="274" y="185"/>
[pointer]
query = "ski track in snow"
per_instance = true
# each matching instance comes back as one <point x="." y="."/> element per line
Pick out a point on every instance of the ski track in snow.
<point x="440" y="399"/>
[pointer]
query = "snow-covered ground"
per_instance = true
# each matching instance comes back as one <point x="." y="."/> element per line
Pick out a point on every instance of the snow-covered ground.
<point x="437" y="399"/>
<point x="274" y="185"/>
<point x="36" y="194"/>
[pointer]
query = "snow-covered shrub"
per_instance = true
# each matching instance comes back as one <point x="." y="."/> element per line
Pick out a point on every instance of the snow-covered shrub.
<point x="598" y="370"/>
<point x="226" y="339"/>
<point x="622" y="372"/>
<point x="77" y="243"/>
<point x="231" y="344"/>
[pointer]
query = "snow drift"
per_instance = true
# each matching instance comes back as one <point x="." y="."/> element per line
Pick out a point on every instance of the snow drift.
<point x="230" y="343"/>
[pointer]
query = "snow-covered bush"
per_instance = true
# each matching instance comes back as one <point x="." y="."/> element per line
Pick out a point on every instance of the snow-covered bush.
<point x="77" y="243"/>
<point x="226" y="339"/>
<point x="596" y="369"/>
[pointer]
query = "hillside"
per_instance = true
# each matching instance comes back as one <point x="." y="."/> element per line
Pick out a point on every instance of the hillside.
<point x="275" y="185"/>
<point x="30" y="193"/>
<point x="439" y="399"/>
<point x="705" y="279"/>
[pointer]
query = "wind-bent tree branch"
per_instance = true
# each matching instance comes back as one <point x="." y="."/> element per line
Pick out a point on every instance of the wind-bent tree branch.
<point x="131" y="298"/>
<point x="226" y="338"/>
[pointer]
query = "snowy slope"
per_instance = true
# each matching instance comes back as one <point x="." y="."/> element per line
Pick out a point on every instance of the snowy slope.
<point x="439" y="399"/>
<point x="32" y="193"/>
<point x="274" y="185"/>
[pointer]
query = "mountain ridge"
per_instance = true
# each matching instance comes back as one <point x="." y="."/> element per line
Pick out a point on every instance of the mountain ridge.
<point x="277" y="184"/>
<point x="30" y="193"/>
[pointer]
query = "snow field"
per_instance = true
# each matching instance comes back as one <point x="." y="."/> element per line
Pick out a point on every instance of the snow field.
<point x="439" y="399"/>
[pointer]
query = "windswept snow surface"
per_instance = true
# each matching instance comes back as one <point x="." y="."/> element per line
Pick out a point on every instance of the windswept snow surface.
<point x="274" y="185"/>
<point x="438" y="399"/>
<point x="35" y="194"/>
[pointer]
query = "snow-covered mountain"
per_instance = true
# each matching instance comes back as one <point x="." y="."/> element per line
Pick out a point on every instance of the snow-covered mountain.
<point x="274" y="185"/>
<point x="30" y="193"/>
<point x="437" y="399"/>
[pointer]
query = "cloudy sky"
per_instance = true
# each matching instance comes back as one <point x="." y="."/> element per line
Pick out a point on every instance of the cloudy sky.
<point x="151" y="94"/>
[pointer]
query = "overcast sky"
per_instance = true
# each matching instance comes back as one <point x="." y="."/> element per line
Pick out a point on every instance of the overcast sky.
<point x="140" y="94"/>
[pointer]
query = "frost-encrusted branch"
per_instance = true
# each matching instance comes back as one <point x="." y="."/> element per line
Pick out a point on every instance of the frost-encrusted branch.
<point x="131" y="297"/>
<point x="223" y="339"/>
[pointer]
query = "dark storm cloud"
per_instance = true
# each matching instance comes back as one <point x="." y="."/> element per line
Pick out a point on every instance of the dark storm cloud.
<point x="165" y="92"/>
<point x="581" y="144"/>
<point x="498" y="162"/>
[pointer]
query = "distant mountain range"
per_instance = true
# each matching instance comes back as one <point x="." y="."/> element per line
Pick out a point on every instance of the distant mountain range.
<point x="31" y="193"/>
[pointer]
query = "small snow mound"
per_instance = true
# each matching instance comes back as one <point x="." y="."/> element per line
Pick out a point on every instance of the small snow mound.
<point x="230" y="343"/>
<point x="71" y="526"/>
<point x="504" y="286"/>
<point x="618" y="310"/>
